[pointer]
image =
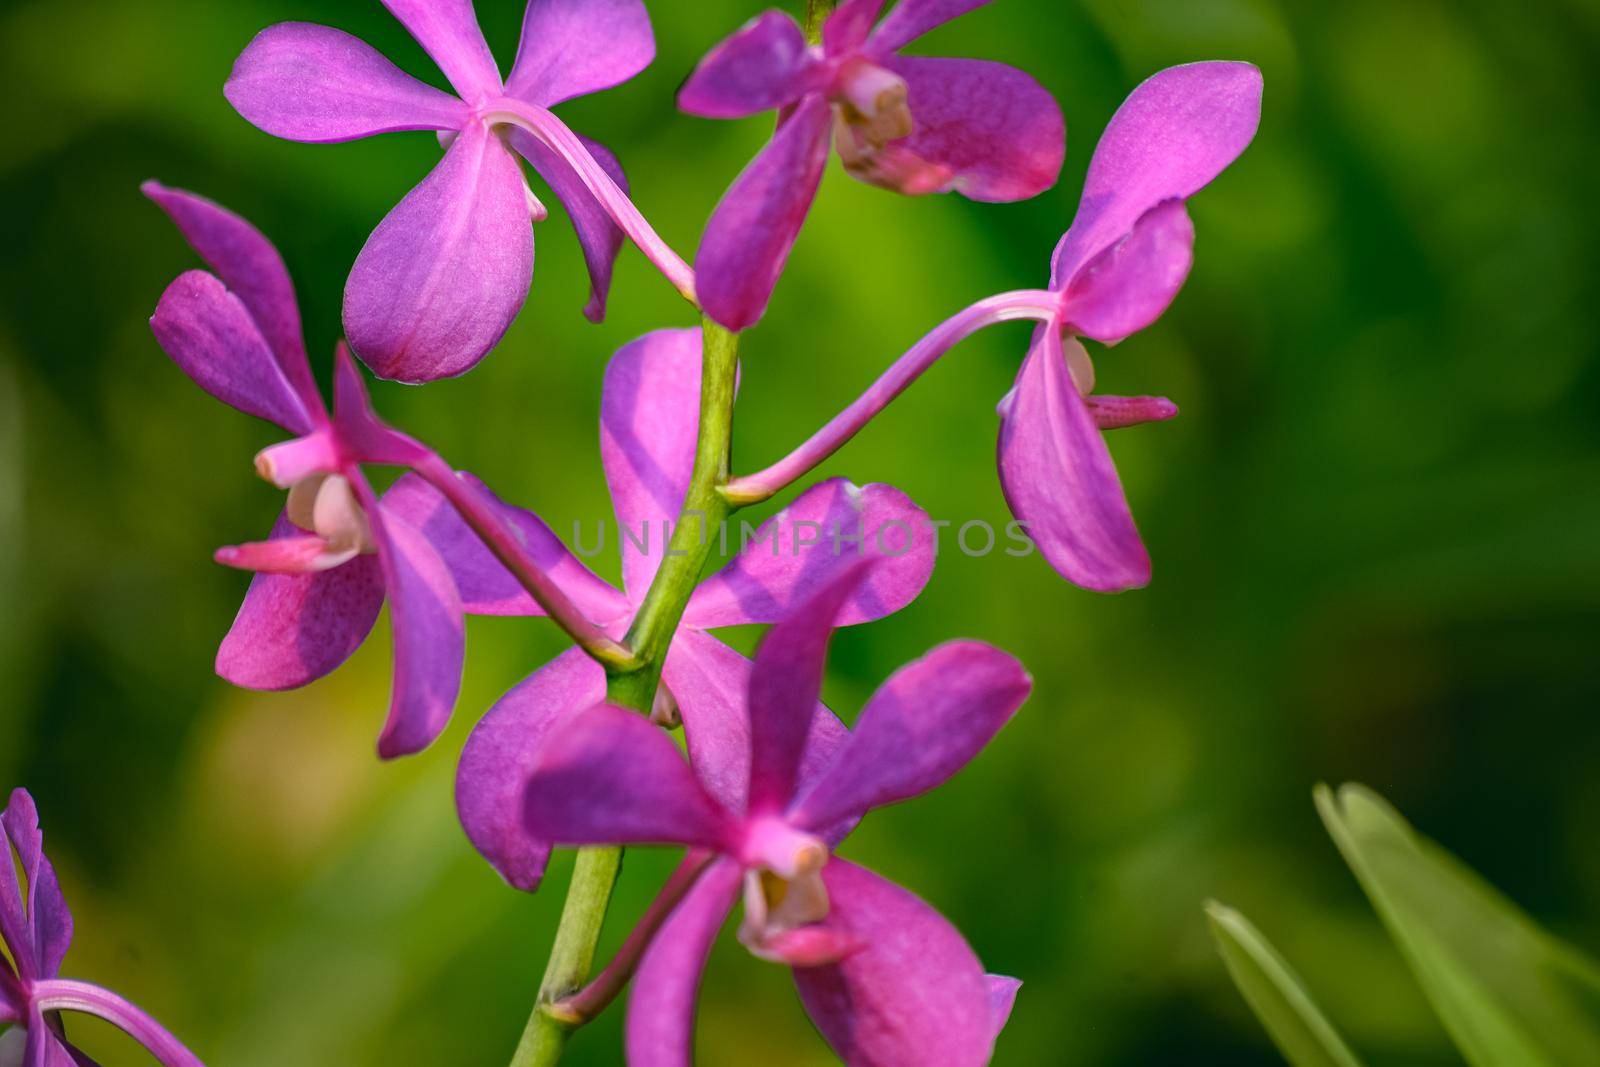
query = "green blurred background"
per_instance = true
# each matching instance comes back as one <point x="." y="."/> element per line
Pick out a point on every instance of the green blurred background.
<point x="1374" y="527"/>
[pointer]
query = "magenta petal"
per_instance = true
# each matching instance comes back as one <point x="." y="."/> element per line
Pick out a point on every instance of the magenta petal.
<point x="796" y="552"/>
<point x="34" y="920"/>
<point x="213" y="339"/>
<point x="429" y="633"/>
<point x="785" y="684"/>
<point x="985" y="130"/>
<point x="847" y="29"/>
<point x="443" y="276"/>
<point x="1059" y="479"/>
<point x="448" y="31"/>
<point x="711" y="681"/>
<point x="306" y="554"/>
<point x="748" y="240"/>
<point x="499" y="756"/>
<point x="810" y="946"/>
<point x="764" y="65"/>
<point x="611" y="777"/>
<point x="661" y="1009"/>
<point x="486" y="587"/>
<point x="929" y="720"/>
<point x="915" y="995"/>
<point x="318" y="84"/>
<point x="1173" y="135"/>
<point x="293" y="629"/>
<point x="575" y="47"/>
<point x="44" y="1048"/>
<point x="251" y="267"/>
<point x="598" y="235"/>
<point x="1128" y="286"/>
<point x="1120" y="412"/>
<point x="1002" y="998"/>
<point x="911" y="19"/>
<point x="649" y="418"/>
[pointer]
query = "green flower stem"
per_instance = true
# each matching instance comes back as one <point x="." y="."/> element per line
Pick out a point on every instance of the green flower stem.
<point x="704" y="510"/>
<point x="817" y="12"/>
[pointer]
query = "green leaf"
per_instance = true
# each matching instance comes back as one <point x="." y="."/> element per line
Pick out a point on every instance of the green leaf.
<point x="1509" y="993"/>
<point x="1276" y="994"/>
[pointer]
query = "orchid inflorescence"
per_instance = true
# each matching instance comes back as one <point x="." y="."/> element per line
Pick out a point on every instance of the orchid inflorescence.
<point x="580" y="753"/>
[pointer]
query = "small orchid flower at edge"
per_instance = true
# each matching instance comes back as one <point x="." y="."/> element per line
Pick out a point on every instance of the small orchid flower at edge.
<point x="337" y="551"/>
<point x="885" y="978"/>
<point x="911" y="124"/>
<point x="444" y="275"/>
<point x="1117" y="269"/>
<point x="36" y="927"/>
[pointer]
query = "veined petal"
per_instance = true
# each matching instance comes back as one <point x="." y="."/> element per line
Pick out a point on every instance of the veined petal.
<point x="929" y="720"/>
<point x="34" y="919"/>
<point x="1059" y="479"/>
<point x="443" y="276"/>
<point x="748" y="240"/>
<point x="985" y="130"/>
<point x="764" y="65"/>
<point x="500" y="754"/>
<point x="1173" y="135"/>
<point x="608" y="776"/>
<point x="448" y="31"/>
<point x="304" y="554"/>
<point x="796" y="552"/>
<point x="598" y="234"/>
<point x="429" y="631"/>
<point x="1120" y="412"/>
<point x="661" y="1009"/>
<point x="1128" y="286"/>
<point x="649" y="419"/>
<point x="711" y="682"/>
<point x="43" y="1047"/>
<point x="785" y="684"/>
<point x="847" y="29"/>
<point x="314" y="83"/>
<point x="293" y="629"/>
<point x="249" y="265"/>
<point x="911" y="19"/>
<point x="212" y="337"/>
<point x="486" y="587"/>
<point x="916" y="994"/>
<point x="575" y="47"/>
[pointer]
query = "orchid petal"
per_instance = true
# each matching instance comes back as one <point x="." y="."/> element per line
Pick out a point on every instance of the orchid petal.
<point x="501" y="752"/>
<point x="211" y="336"/>
<point x="317" y="84"/>
<point x="1120" y="412"/>
<point x="485" y="585"/>
<point x="847" y="29"/>
<point x="575" y="47"/>
<point x="443" y="276"/>
<point x="34" y="920"/>
<point x="661" y="1008"/>
<point x="765" y="65"/>
<point x="44" y="1047"/>
<point x="915" y="995"/>
<point x="293" y="629"/>
<point x="649" y="419"/>
<point x="810" y="946"/>
<point x="1173" y="135"/>
<point x="785" y="684"/>
<point x="448" y="31"/>
<point x="251" y="267"/>
<point x="610" y="777"/>
<point x="1129" y="285"/>
<point x="1059" y="479"/>
<point x="598" y="234"/>
<point x="710" y="681"/>
<point x="748" y="240"/>
<point x="796" y="552"/>
<point x="929" y="720"/>
<point x="985" y="130"/>
<point x="429" y="632"/>
<point x="911" y="19"/>
<point x="306" y="554"/>
<point x="1002" y="998"/>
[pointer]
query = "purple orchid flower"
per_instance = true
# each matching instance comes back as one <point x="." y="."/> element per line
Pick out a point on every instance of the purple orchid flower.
<point x="774" y="787"/>
<point x="649" y="422"/>
<point x="912" y="124"/>
<point x="336" y="551"/>
<point x="1118" y="268"/>
<point x="37" y="930"/>
<point x="444" y="275"/>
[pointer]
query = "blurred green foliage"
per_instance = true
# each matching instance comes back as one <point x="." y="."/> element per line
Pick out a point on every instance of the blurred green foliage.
<point x="1374" y="528"/>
